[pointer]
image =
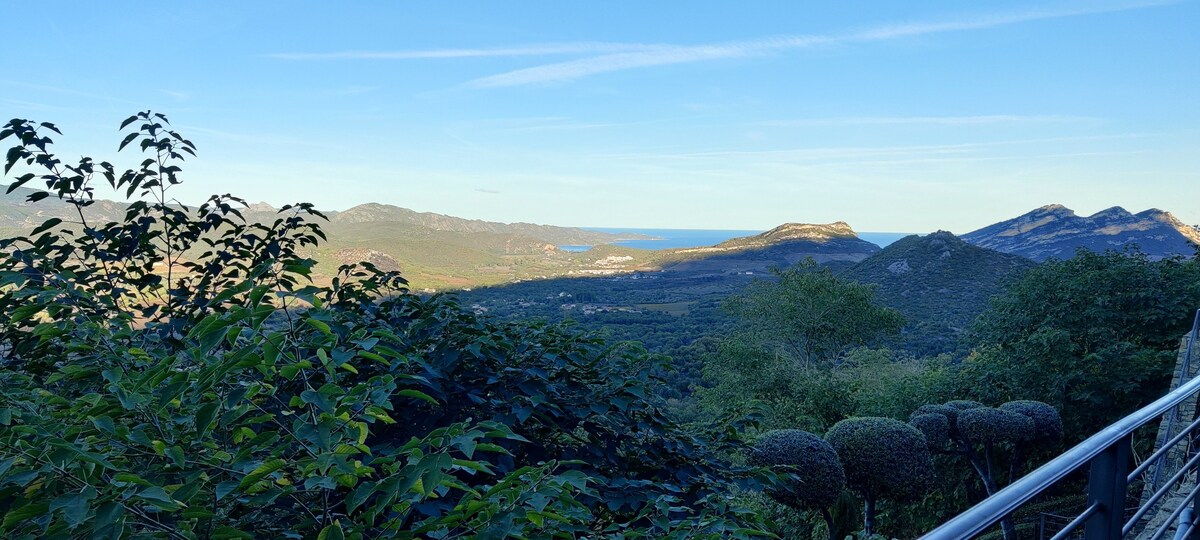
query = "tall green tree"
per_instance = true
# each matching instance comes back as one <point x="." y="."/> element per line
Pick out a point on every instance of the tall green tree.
<point x="1094" y="336"/>
<point x="795" y="348"/>
<point x="810" y="315"/>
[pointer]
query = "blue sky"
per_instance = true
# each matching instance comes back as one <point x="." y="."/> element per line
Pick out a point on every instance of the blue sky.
<point x="892" y="116"/>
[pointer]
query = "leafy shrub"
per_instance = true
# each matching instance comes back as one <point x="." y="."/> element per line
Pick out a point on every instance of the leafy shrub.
<point x="935" y="428"/>
<point x="177" y="375"/>
<point x="989" y="425"/>
<point x="816" y="476"/>
<point x="1095" y="336"/>
<point x="1003" y="434"/>
<point x="1047" y="424"/>
<point x="883" y="459"/>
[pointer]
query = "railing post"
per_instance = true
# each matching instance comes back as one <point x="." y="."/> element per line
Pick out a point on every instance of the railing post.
<point x="1106" y="486"/>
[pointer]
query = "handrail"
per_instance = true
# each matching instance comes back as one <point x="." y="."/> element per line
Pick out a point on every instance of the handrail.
<point x="1184" y="369"/>
<point x="992" y="509"/>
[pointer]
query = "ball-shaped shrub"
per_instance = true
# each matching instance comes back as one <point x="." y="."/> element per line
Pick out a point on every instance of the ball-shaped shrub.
<point x="935" y="428"/>
<point x="990" y="425"/>
<point x="883" y="458"/>
<point x="951" y="414"/>
<point x="1047" y="424"/>
<point x="816" y="474"/>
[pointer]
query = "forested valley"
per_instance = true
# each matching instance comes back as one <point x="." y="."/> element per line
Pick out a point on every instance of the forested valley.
<point x="178" y="374"/>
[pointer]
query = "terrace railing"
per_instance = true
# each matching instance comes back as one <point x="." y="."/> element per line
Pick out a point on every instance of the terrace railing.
<point x="1107" y="455"/>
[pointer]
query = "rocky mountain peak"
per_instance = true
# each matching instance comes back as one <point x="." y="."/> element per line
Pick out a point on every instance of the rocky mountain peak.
<point x="1115" y="212"/>
<point x="809" y="231"/>
<point x="1053" y="209"/>
<point x="260" y="206"/>
<point x="1056" y="231"/>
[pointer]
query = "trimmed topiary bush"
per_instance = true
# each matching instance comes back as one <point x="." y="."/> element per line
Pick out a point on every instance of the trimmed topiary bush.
<point x="1047" y="424"/>
<point x="973" y="431"/>
<point x="815" y="478"/>
<point x="935" y="427"/>
<point x="951" y="414"/>
<point x="988" y="425"/>
<point x="883" y="458"/>
<point x="817" y="475"/>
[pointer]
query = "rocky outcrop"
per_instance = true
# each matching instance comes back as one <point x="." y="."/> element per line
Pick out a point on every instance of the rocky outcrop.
<point x="381" y="260"/>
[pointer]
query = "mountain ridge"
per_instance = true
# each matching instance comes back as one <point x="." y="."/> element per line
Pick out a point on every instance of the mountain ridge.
<point x="16" y="213"/>
<point x="1057" y="231"/>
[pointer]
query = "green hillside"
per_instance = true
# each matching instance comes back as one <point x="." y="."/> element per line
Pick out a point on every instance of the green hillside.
<point x="939" y="282"/>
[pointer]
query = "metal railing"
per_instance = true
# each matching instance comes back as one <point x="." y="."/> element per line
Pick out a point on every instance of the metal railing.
<point x="1108" y="456"/>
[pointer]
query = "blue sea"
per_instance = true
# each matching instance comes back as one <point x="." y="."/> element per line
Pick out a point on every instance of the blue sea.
<point x="686" y="238"/>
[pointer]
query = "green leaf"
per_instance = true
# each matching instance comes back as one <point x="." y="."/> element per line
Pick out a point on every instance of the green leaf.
<point x="104" y="423"/>
<point x="24" y="312"/>
<point x="74" y="506"/>
<point x="268" y="467"/>
<point x="160" y="498"/>
<point x="333" y="531"/>
<point x="224" y="488"/>
<point x="107" y="514"/>
<point x="319" y="325"/>
<point x="416" y="394"/>
<point x="128" y="139"/>
<point x="23" y="513"/>
<point x="205" y="415"/>
<point x="46" y="225"/>
<point x="317" y="398"/>
<point x="226" y="532"/>
<point x="176" y="455"/>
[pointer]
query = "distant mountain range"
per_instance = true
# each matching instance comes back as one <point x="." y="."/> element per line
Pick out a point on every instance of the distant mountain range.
<point x="437" y="251"/>
<point x="434" y="251"/>
<point x="16" y="213"/>
<point x="1056" y="231"/>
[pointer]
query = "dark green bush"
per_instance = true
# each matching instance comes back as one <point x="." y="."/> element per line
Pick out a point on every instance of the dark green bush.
<point x="816" y="476"/>
<point x="1047" y="423"/>
<point x="988" y="425"/>
<point x="935" y="427"/>
<point x="883" y="458"/>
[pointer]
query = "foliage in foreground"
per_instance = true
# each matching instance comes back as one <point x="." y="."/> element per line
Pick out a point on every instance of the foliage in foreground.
<point x="171" y="375"/>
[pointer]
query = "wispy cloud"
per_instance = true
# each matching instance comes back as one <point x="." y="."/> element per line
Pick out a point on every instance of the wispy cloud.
<point x="488" y="191"/>
<point x="178" y="95"/>
<point x="67" y="91"/>
<point x="251" y="138"/>
<point x="865" y="153"/>
<point x="667" y="55"/>
<point x="547" y="49"/>
<point x="973" y="120"/>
